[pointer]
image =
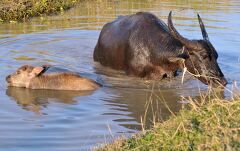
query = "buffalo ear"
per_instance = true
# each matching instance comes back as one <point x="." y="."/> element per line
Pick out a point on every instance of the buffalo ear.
<point x="36" y="71"/>
<point x="179" y="58"/>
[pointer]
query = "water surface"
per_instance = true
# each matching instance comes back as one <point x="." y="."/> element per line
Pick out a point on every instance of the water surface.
<point x="64" y="120"/>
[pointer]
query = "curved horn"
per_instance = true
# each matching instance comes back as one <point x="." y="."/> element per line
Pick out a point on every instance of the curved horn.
<point x="176" y="35"/>
<point x="204" y="32"/>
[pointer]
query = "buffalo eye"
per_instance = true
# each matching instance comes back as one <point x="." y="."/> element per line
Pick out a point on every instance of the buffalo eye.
<point x="205" y="56"/>
<point x="24" y="68"/>
<point x="18" y="72"/>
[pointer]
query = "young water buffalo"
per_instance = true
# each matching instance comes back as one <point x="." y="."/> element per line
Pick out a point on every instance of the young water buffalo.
<point x="143" y="45"/>
<point x="31" y="77"/>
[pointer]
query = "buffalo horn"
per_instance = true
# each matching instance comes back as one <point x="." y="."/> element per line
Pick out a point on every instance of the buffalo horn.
<point x="204" y="32"/>
<point x="176" y="35"/>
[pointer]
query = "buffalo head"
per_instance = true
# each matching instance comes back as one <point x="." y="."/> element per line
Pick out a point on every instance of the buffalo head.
<point x="201" y="57"/>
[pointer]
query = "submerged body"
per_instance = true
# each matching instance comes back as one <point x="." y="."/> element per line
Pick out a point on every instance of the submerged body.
<point x="62" y="81"/>
<point x="144" y="46"/>
<point x="32" y="77"/>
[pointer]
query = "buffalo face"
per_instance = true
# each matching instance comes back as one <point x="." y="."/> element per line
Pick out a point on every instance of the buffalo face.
<point x="23" y="76"/>
<point x="202" y="56"/>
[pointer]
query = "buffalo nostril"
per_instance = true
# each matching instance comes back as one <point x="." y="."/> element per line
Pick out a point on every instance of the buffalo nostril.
<point x="224" y="82"/>
<point x="8" y="78"/>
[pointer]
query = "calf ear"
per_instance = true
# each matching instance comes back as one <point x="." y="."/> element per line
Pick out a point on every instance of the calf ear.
<point x="36" y="71"/>
<point x="45" y="68"/>
<point x="180" y="58"/>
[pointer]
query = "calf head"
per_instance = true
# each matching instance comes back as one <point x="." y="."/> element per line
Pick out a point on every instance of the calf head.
<point x="201" y="57"/>
<point x="23" y="76"/>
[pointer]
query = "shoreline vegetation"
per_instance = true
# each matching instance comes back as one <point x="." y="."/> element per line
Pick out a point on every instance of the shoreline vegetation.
<point x="23" y="10"/>
<point x="206" y="124"/>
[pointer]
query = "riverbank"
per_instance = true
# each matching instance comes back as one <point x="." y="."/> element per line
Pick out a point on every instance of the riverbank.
<point x="207" y="125"/>
<point x="23" y="10"/>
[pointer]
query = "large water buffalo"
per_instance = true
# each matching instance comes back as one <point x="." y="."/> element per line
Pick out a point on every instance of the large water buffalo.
<point x="144" y="46"/>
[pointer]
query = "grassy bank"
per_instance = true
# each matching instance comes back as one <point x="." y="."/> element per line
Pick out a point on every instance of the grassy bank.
<point x="207" y="125"/>
<point x="22" y="10"/>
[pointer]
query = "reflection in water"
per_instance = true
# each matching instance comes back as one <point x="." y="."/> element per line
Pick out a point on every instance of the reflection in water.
<point x="154" y="104"/>
<point x="145" y="107"/>
<point x="34" y="100"/>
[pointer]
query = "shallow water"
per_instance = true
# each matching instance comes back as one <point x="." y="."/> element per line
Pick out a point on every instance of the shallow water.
<point x="65" y="120"/>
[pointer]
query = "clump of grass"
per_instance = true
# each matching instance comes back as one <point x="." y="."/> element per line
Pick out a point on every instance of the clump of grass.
<point x="22" y="10"/>
<point x="208" y="124"/>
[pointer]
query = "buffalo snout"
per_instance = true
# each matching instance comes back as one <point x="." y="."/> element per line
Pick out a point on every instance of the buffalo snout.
<point x="223" y="81"/>
<point x="218" y="82"/>
<point x="8" y="78"/>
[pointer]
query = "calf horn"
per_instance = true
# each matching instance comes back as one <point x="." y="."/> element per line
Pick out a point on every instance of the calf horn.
<point x="188" y="43"/>
<point x="204" y="32"/>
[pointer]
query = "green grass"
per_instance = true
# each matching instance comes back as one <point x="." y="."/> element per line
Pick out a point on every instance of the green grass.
<point x="209" y="124"/>
<point x="23" y="10"/>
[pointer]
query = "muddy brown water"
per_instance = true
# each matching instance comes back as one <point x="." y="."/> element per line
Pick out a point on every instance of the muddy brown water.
<point x="64" y="120"/>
